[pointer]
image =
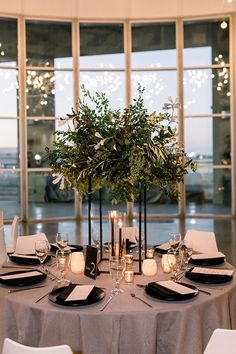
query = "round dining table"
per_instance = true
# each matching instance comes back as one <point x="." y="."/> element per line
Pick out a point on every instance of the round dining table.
<point x="126" y="325"/>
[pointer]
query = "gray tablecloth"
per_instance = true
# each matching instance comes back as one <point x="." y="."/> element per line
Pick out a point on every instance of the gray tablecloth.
<point x="126" y="326"/>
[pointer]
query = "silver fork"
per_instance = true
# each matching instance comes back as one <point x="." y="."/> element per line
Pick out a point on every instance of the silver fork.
<point x="138" y="298"/>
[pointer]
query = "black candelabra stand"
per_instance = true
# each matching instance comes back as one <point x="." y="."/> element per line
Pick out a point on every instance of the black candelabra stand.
<point x="142" y="209"/>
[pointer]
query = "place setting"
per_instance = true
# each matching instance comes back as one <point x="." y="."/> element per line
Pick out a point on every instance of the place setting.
<point x="62" y="242"/>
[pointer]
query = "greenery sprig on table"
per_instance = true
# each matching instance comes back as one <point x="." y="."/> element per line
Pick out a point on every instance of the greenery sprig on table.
<point x="119" y="149"/>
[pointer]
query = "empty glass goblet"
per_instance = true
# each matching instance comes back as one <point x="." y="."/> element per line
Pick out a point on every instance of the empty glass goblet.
<point x="63" y="261"/>
<point x="186" y="249"/>
<point x="174" y="260"/>
<point x="174" y="241"/>
<point x="96" y="238"/>
<point x="117" y="268"/>
<point x="62" y="240"/>
<point x="41" y="250"/>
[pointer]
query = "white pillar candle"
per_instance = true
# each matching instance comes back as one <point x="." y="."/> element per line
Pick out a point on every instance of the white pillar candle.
<point x="149" y="267"/>
<point x="77" y="262"/>
<point x="167" y="262"/>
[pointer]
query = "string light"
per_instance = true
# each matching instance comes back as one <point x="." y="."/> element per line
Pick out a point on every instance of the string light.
<point x="223" y="25"/>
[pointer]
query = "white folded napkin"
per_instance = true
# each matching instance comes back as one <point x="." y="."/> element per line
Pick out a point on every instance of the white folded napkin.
<point x="203" y="242"/>
<point x="34" y="273"/>
<point x="80" y="292"/>
<point x="26" y="244"/>
<point x="208" y="256"/>
<point x="178" y="288"/>
<point x="164" y="246"/>
<point x="212" y="271"/>
<point x="130" y="233"/>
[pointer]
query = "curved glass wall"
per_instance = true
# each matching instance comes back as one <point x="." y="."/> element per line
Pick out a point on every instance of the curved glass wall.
<point x="113" y="57"/>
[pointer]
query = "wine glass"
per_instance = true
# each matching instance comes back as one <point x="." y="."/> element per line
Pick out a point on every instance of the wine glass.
<point x="63" y="261"/>
<point x="186" y="248"/>
<point x="96" y="238"/>
<point x="174" y="241"/>
<point x="62" y="241"/>
<point x="142" y="243"/>
<point x="174" y="260"/>
<point x="117" y="268"/>
<point x="41" y="251"/>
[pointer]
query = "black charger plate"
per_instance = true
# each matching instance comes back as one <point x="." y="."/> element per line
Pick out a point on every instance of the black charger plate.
<point x="19" y="281"/>
<point x="208" y="278"/>
<point x="207" y="261"/>
<point x="26" y="260"/>
<point x="96" y="295"/>
<point x="160" y="292"/>
<point x="129" y="245"/>
<point x="74" y="248"/>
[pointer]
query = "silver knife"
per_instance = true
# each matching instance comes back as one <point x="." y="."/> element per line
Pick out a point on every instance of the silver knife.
<point x="32" y="287"/>
<point x="106" y="303"/>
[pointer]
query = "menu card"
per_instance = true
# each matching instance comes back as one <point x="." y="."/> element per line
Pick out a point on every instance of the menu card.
<point x="178" y="288"/>
<point x="214" y="255"/>
<point x="213" y="271"/>
<point x="80" y="292"/>
<point x="21" y="275"/>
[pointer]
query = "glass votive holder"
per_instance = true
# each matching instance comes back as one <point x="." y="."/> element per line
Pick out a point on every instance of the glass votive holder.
<point x="150" y="254"/>
<point x="167" y="262"/>
<point x="149" y="267"/>
<point x="129" y="276"/>
<point x="77" y="263"/>
<point x="129" y="259"/>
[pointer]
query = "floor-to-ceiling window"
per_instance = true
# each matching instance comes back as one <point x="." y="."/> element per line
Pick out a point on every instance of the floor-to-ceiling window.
<point x="102" y="69"/>
<point x="154" y="67"/>
<point x="49" y="96"/>
<point x="113" y="57"/>
<point x="206" y="82"/>
<point x="9" y="120"/>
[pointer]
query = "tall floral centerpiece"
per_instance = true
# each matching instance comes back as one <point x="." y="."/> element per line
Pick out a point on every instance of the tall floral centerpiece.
<point x="118" y="149"/>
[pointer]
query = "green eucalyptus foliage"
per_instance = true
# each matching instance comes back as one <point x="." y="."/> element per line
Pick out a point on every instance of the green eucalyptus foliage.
<point x="118" y="149"/>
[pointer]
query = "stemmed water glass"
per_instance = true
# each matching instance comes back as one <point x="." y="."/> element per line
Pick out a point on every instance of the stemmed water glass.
<point x="186" y="249"/>
<point x="96" y="238"/>
<point x="63" y="261"/>
<point x="142" y="243"/>
<point x="41" y="250"/>
<point x="174" y="241"/>
<point x="174" y="260"/>
<point x="62" y="241"/>
<point x="117" y="269"/>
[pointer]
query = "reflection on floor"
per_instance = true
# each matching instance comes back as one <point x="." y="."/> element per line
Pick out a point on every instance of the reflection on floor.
<point x="157" y="231"/>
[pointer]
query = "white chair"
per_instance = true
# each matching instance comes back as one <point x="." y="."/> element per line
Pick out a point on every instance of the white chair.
<point x="14" y="234"/>
<point x="3" y="251"/>
<point x="222" y="341"/>
<point x="11" y="347"/>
